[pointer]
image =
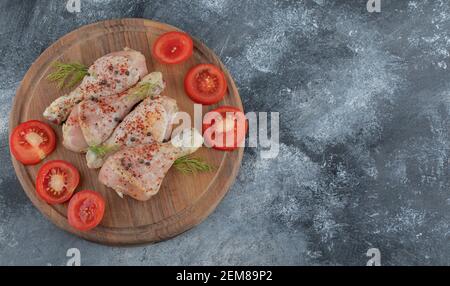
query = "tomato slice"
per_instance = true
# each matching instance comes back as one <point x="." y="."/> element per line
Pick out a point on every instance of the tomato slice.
<point x="86" y="209"/>
<point x="56" y="181"/>
<point x="32" y="141"/>
<point x="205" y="84"/>
<point x="224" y="128"/>
<point x="173" y="48"/>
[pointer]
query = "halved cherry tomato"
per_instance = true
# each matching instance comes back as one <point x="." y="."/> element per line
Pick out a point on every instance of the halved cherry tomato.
<point x="224" y="128"/>
<point x="32" y="141"/>
<point x="56" y="181"/>
<point x="206" y="84"/>
<point x="173" y="48"/>
<point x="86" y="209"/>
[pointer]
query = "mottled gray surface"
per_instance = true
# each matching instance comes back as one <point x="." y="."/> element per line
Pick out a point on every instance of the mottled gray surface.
<point x="364" y="102"/>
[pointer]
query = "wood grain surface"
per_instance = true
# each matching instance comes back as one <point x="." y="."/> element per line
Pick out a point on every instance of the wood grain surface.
<point x="183" y="200"/>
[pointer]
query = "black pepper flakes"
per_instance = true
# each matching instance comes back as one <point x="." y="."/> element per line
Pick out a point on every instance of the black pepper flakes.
<point x="132" y="139"/>
<point x="127" y="73"/>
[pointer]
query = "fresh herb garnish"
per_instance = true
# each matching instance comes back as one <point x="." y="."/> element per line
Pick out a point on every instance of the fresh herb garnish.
<point x="67" y="75"/>
<point x="189" y="165"/>
<point x="102" y="150"/>
<point x="144" y="89"/>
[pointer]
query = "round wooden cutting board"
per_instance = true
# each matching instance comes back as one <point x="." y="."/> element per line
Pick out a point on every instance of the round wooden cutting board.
<point x="183" y="200"/>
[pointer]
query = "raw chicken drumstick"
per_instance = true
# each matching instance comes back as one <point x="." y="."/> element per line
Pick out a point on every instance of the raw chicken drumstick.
<point x="139" y="171"/>
<point x="108" y="75"/>
<point x="92" y="121"/>
<point x="150" y="121"/>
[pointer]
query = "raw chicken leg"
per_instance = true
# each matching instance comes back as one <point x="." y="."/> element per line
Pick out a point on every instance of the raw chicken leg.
<point x="98" y="118"/>
<point x="92" y="121"/>
<point x="150" y="121"/>
<point x="139" y="171"/>
<point x="73" y="138"/>
<point x="108" y="75"/>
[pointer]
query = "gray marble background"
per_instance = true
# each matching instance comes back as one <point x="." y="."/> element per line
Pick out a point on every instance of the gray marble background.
<point x="364" y="102"/>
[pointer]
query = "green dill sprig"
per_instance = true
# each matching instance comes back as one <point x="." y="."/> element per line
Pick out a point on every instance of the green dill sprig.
<point x="144" y="89"/>
<point x="67" y="75"/>
<point x="189" y="165"/>
<point x="101" y="150"/>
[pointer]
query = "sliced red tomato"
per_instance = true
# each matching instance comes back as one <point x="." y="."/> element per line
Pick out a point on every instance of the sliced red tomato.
<point x="86" y="209"/>
<point x="224" y="128"/>
<point x="56" y="181"/>
<point x="205" y="84"/>
<point x="32" y="141"/>
<point x="173" y="48"/>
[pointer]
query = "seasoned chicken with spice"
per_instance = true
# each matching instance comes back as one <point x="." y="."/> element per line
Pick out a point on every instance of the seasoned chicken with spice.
<point x="150" y="121"/>
<point x="108" y="75"/>
<point x="139" y="171"/>
<point x="92" y="121"/>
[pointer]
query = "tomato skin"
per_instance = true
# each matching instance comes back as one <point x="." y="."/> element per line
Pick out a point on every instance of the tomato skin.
<point x="205" y="84"/>
<point x="86" y="210"/>
<point x="239" y="136"/>
<point x="72" y="176"/>
<point x="25" y="152"/>
<point x="173" y="48"/>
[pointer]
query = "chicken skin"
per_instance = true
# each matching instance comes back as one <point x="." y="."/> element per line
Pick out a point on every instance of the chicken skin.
<point x="99" y="117"/>
<point x="139" y="171"/>
<point x="108" y="75"/>
<point x="73" y="138"/>
<point x="150" y="121"/>
<point x="92" y="121"/>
